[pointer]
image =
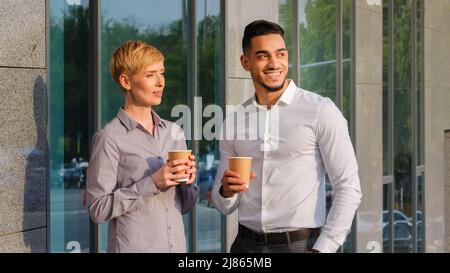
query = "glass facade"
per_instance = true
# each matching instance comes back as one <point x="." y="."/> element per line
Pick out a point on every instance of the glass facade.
<point x="209" y="89"/>
<point x="149" y="22"/>
<point x="325" y="37"/>
<point x="69" y="126"/>
<point x="318" y="55"/>
<point x="402" y="121"/>
<point x="403" y="125"/>
<point x="73" y="114"/>
<point x="191" y="37"/>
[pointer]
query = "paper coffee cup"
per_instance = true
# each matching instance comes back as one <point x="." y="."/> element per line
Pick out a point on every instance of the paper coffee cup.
<point x="242" y="166"/>
<point x="180" y="154"/>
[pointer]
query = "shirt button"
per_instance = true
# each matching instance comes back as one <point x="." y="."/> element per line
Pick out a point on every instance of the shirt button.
<point x="167" y="209"/>
<point x="170" y="228"/>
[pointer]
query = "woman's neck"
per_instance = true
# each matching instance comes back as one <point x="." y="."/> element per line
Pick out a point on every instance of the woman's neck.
<point x="142" y="115"/>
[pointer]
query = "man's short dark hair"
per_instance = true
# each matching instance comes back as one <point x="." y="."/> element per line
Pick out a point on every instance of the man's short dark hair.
<point x="258" y="28"/>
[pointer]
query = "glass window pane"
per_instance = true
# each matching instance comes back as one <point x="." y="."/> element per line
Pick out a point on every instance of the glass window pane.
<point x="387" y="210"/>
<point x="420" y="214"/>
<point x="320" y="78"/>
<point x="210" y="77"/>
<point x="420" y="133"/>
<point x="420" y="86"/>
<point x="69" y="144"/>
<point x="161" y="24"/>
<point x="347" y="62"/>
<point x="402" y="114"/>
<point x="318" y="47"/>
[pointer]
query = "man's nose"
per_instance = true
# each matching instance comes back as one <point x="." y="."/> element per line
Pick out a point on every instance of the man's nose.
<point x="272" y="64"/>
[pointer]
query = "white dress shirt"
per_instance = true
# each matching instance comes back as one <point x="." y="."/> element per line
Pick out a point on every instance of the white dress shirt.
<point x="299" y="140"/>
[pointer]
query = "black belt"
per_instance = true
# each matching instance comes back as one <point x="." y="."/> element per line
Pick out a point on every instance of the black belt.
<point x="302" y="234"/>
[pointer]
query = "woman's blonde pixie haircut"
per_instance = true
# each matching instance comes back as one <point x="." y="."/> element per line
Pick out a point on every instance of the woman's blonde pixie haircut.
<point x="132" y="57"/>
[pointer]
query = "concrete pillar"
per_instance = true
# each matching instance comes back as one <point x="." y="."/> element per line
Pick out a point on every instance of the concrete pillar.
<point x="23" y="121"/>
<point x="368" y="138"/>
<point x="239" y="84"/>
<point x="437" y="118"/>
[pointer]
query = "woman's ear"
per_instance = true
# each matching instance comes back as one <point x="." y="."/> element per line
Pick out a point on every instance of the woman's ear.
<point x="124" y="82"/>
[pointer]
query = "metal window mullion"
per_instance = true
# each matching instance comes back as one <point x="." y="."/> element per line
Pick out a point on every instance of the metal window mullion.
<point x="223" y="21"/>
<point x="414" y="118"/>
<point x="95" y="103"/>
<point x="192" y="92"/>
<point x="391" y="190"/>
<point x="422" y="80"/>
<point x="391" y="41"/>
<point x="339" y="54"/>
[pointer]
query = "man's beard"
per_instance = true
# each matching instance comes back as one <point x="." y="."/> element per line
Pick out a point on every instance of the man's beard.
<point x="271" y="89"/>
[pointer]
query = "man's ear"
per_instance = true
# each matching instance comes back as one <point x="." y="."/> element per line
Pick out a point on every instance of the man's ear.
<point x="124" y="82"/>
<point x="244" y="62"/>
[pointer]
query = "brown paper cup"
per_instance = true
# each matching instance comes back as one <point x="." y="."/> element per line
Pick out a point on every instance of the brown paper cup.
<point x="242" y="166"/>
<point x="180" y="154"/>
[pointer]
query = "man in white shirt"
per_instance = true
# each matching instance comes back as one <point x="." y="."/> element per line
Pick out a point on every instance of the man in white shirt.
<point x="304" y="138"/>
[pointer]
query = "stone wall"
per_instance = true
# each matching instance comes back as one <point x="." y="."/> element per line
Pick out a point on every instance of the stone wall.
<point x="23" y="126"/>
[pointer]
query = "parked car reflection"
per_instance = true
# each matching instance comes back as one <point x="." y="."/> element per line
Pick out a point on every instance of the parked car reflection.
<point x="398" y="216"/>
<point x="205" y="183"/>
<point x="73" y="174"/>
<point x="207" y="168"/>
<point x="403" y="232"/>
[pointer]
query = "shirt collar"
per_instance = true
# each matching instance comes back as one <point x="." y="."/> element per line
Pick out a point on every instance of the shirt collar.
<point x="289" y="93"/>
<point x="158" y="121"/>
<point x="286" y="97"/>
<point x="130" y="123"/>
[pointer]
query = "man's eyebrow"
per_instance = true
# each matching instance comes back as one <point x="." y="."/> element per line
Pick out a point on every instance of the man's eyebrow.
<point x="267" y="52"/>
<point x="261" y="52"/>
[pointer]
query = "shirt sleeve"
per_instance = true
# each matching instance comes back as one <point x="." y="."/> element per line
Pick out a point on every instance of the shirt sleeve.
<point x="226" y="206"/>
<point x="106" y="201"/>
<point x="340" y="163"/>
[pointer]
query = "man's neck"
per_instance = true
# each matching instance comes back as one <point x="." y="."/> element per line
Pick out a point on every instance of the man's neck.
<point x="267" y="98"/>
